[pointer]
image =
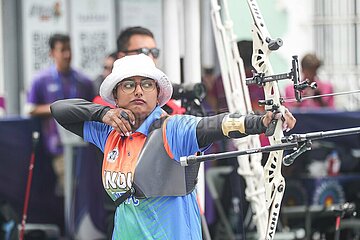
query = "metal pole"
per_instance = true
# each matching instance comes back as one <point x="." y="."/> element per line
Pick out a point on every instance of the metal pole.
<point x="35" y="140"/>
<point x="171" y="50"/>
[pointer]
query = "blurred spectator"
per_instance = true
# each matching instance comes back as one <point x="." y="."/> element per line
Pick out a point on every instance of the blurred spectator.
<point x="108" y="64"/>
<point x="216" y="98"/>
<point x="2" y="106"/>
<point x="59" y="81"/>
<point x="107" y="67"/>
<point x="136" y="40"/>
<point x="309" y="67"/>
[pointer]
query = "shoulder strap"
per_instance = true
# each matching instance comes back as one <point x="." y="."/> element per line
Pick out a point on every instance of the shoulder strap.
<point x="125" y="196"/>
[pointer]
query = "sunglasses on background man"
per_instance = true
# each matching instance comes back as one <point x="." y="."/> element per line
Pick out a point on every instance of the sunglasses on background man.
<point x="154" y="51"/>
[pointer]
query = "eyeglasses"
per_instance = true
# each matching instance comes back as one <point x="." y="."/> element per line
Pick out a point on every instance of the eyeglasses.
<point x="129" y="86"/>
<point x="154" y="51"/>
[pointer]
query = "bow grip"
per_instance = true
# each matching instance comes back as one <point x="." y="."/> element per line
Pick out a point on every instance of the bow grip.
<point x="271" y="128"/>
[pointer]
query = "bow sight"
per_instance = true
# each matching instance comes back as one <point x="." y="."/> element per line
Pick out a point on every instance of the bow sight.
<point x="260" y="79"/>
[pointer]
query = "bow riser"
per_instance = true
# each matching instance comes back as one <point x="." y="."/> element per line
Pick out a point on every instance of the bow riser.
<point x="274" y="181"/>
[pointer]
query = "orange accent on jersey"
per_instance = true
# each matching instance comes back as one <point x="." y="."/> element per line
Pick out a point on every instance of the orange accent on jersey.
<point x="166" y="144"/>
<point x="199" y="204"/>
<point x="125" y="158"/>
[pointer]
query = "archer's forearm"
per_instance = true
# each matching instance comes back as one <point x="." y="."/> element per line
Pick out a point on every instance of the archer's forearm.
<point x="41" y="110"/>
<point x="219" y="127"/>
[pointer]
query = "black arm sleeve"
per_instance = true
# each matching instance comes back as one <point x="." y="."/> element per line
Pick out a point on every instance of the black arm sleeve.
<point x="209" y="129"/>
<point x="72" y="113"/>
<point x="254" y="124"/>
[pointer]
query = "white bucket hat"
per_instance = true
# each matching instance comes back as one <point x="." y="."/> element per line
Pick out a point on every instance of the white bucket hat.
<point x="136" y="65"/>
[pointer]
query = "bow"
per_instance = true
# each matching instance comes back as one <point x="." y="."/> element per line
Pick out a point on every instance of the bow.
<point x="264" y="186"/>
<point x="238" y="100"/>
<point x="263" y="45"/>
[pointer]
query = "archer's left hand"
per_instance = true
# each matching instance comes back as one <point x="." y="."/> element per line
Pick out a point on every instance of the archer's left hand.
<point x="287" y="117"/>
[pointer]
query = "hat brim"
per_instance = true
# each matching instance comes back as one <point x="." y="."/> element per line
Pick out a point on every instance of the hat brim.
<point x="165" y="86"/>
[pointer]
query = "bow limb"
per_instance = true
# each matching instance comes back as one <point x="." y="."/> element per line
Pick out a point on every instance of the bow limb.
<point x="274" y="181"/>
<point x="238" y="100"/>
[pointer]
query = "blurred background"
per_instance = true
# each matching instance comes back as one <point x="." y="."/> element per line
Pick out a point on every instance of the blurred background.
<point x="184" y="34"/>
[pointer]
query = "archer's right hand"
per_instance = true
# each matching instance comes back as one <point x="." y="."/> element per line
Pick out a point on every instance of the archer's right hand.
<point x="121" y="120"/>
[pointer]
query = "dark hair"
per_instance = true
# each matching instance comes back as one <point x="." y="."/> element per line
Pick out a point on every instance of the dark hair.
<point x="122" y="41"/>
<point x="310" y="61"/>
<point x="112" y="55"/>
<point x="58" y="37"/>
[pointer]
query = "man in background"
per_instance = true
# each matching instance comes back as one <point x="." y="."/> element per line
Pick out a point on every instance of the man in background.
<point x="136" y="40"/>
<point x="107" y="67"/>
<point x="59" y="81"/>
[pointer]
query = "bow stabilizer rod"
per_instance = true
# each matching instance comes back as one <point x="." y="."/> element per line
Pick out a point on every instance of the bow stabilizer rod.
<point x="306" y="138"/>
<point x="320" y="135"/>
<point x="298" y="142"/>
<point x="192" y="159"/>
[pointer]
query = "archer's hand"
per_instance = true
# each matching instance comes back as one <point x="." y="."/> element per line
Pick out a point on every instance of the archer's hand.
<point x="120" y="119"/>
<point x="287" y="117"/>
